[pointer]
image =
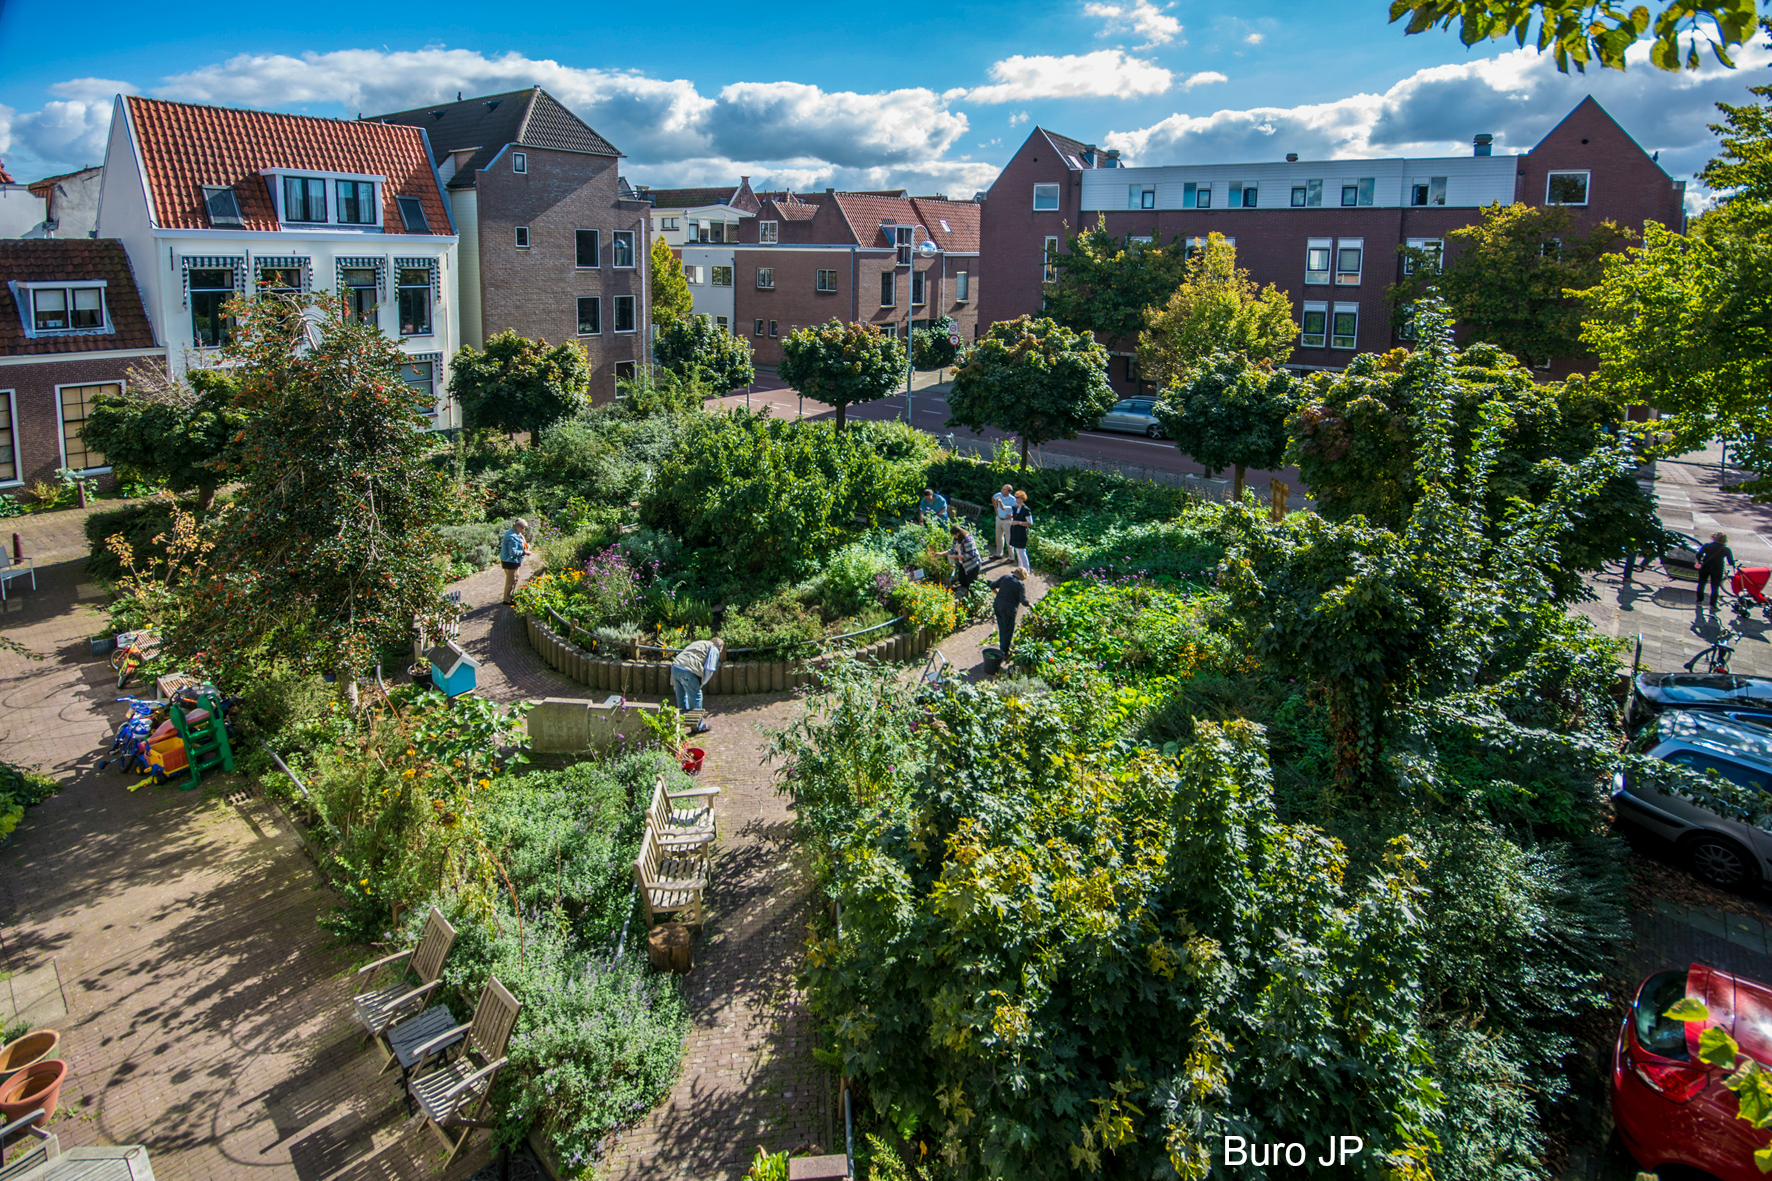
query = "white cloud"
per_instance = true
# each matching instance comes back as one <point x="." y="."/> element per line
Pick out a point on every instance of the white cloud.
<point x="1203" y="78"/>
<point x="1518" y="96"/>
<point x="1106" y="73"/>
<point x="1021" y="117"/>
<point x="1255" y="38"/>
<point x="1141" y="18"/>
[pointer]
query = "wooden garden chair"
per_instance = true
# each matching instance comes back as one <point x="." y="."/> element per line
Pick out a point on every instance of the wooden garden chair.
<point x="670" y="882"/>
<point x="683" y="821"/>
<point x="381" y="1009"/>
<point x="38" y="1147"/>
<point x="455" y="1092"/>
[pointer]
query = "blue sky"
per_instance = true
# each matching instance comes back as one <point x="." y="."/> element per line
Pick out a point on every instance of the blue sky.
<point x="699" y="93"/>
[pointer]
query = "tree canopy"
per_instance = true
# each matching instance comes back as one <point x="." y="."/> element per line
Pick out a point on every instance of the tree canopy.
<point x="1034" y="378"/>
<point x="671" y="298"/>
<point x="176" y="433"/>
<point x="1511" y="280"/>
<point x="1105" y="284"/>
<point x="931" y="349"/>
<point x="519" y="384"/>
<point x="694" y="346"/>
<point x="1578" y="32"/>
<point x="1215" y="309"/>
<point x="841" y="364"/>
<point x="1230" y="412"/>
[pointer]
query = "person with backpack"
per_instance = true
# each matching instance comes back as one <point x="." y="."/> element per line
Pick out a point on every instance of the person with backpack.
<point x="1711" y="557"/>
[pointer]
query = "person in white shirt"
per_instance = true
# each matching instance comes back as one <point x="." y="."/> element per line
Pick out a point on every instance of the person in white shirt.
<point x="1004" y="502"/>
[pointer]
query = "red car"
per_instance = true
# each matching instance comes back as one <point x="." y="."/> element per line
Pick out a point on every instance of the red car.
<point x="1672" y="1109"/>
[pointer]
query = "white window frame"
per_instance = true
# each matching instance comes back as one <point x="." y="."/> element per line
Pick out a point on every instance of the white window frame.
<point x="1325" y="275"/>
<point x="1353" y="338"/>
<point x="521" y="237"/>
<point x="759" y="331"/>
<point x="615" y="244"/>
<point x="765" y="278"/>
<point x="61" y="431"/>
<point x="1341" y="279"/>
<point x="919" y="288"/>
<point x="721" y="324"/>
<point x="715" y="274"/>
<point x="1435" y="245"/>
<point x="768" y="232"/>
<point x="819" y="287"/>
<point x="596" y="249"/>
<point x="1053" y="191"/>
<point x="1433" y="189"/>
<point x="435" y="361"/>
<point x="520" y="162"/>
<point x="24" y="294"/>
<point x="430" y="286"/>
<point x="1141" y="196"/>
<point x="633" y="367"/>
<point x="579" y="316"/>
<point x="962" y="287"/>
<point x="615" y="316"/>
<point x="1587" y="186"/>
<point x="1048" y="268"/>
<point x="772" y="332"/>
<point x="692" y="274"/>
<point x="1306" y="338"/>
<point x="274" y="178"/>
<point x="1313" y="194"/>
<point x="18" y="463"/>
<point x="889" y="279"/>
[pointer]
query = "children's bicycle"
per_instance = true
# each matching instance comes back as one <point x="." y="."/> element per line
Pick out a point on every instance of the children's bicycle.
<point x="1715" y="659"/>
<point x="132" y="652"/>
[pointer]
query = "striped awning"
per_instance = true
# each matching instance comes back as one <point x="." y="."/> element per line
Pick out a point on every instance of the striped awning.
<point x="213" y="262"/>
<point x="429" y="264"/>
<point x="380" y="265"/>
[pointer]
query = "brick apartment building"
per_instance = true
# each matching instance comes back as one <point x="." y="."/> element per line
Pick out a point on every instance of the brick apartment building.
<point x="1325" y="231"/>
<point x="854" y="257"/>
<point x="550" y="246"/>
<point x="72" y="325"/>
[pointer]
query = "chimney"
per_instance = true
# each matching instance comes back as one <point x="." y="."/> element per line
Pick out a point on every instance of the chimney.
<point x="744" y="180"/>
<point x="1481" y="144"/>
<point x="1113" y="158"/>
<point x="1291" y="157"/>
<point x="830" y="192"/>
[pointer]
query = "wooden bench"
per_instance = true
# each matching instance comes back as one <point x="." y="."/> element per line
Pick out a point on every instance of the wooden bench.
<point x="670" y="884"/>
<point x="683" y="829"/>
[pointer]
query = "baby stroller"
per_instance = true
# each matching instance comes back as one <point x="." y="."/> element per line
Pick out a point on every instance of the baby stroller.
<point x="1748" y="585"/>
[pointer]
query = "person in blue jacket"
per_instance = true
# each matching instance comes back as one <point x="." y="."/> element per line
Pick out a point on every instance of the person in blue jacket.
<point x="513" y="547"/>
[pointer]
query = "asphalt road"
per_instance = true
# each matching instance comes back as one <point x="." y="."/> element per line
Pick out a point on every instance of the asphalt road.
<point x="928" y="409"/>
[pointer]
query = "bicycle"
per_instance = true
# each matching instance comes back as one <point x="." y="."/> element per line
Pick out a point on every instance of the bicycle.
<point x="132" y="652"/>
<point x="1716" y="657"/>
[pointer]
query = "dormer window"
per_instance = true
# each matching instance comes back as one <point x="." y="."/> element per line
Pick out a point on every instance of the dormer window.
<point x="336" y="199"/>
<point x="304" y="199"/>
<point x="356" y="203"/>
<point x="61" y="308"/>
<point x="223" y="207"/>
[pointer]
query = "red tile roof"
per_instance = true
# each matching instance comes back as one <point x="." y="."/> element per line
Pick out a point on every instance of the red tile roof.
<point x="184" y="146"/>
<point x="5" y="176"/>
<point x="31" y="260"/>
<point x="866" y="213"/>
<point x="788" y="210"/>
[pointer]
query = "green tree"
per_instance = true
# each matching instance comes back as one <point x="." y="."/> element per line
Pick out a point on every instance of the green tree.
<point x="671" y="299"/>
<point x="931" y="348"/>
<point x="1582" y="31"/>
<point x="179" y="434"/>
<point x="1230" y="412"/>
<point x="842" y="364"/>
<point x="1512" y="281"/>
<point x="694" y="347"/>
<point x="1216" y="309"/>
<point x="519" y="384"/>
<point x="1106" y="284"/>
<point x="1033" y="378"/>
<point x="326" y="557"/>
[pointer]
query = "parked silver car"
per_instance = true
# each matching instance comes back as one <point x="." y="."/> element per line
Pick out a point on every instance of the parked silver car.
<point x="1721" y="850"/>
<point x="1133" y="415"/>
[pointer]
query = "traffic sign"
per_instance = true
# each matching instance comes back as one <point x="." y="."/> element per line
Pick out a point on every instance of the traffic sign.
<point x="954" y="339"/>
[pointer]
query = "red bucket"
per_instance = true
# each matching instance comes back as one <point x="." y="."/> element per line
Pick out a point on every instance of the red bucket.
<point x="692" y="760"/>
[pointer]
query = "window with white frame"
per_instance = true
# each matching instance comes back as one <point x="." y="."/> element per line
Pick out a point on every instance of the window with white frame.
<point x="621" y="247"/>
<point x="1348" y="255"/>
<point x="903" y="236"/>
<point x="55" y="310"/>
<point x="1045" y="198"/>
<point x="962" y="287"/>
<point x="356" y="203"/>
<point x="1141" y="196"/>
<point x="768" y="232"/>
<point x="1431" y="191"/>
<point x="590" y="315"/>
<point x="1313" y="193"/>
<point x="1050" y="261"/>
<point x="522" y="237"/>
<point x="766" y="278"/>
<point x="587" y="247"/>
<point x="889" y="289"/>
<point x="1566" y="188"/>
<point x="1317" y="252"/>
<point x="625" y="370"/>
<point x="827" y="281"/>
<point x="77" y="402"/>
<point x="759" y="329"/>
<point x="1432" y="248"/>
<point x="918" y="284"/>
<point x="666" y="223"/>
<point x="1343" y="325"/>
<point x="720" y="323"/>
<point x="519" y="161"/>
<point x="1314" y="331"/>
<point x="304" y="199"/>
<point x="772" y="331"/>
<point x="362" y="292"/>
<point x="1243" y="195"/>
<point x="9" y="467"/>
<point x="720" y="276"/>
<point x="413" y="297"/>
<point x="1358" y="191"/>
<point x="210" y="288"/>
<point x="694" y="274"/>
<point x="624" y="313"/>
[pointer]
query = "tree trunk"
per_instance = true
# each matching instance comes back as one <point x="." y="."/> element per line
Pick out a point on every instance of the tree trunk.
<point x="1024" y="453"/>
<point x="1237" y="485"/>
<point x="842" y="415"/>
<point x="205" y="497"/>
<point x="347" y="689"/>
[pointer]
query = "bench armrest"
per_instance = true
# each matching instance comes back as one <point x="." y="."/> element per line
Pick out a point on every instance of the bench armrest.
<point x="694" y="791"/>
<point x="386" y="959"/>
<point x="413" y="995"/>
<point x="21" y="1122"/>
<point x="465" y="1083"/>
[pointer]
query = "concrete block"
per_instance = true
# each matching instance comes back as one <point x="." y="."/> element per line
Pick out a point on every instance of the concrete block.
<point x="561" y="725"/>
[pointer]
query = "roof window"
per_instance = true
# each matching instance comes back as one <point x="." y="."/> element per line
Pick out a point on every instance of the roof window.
<point x="412" y="215"/>
<point x="223" y="207"/>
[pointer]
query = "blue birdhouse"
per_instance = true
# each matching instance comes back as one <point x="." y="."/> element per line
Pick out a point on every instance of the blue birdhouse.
<point x="452" y="670"/>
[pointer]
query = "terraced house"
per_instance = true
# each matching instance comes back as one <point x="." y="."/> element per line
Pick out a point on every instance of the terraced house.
<point x="551" y="247"/>
<point x="212" y="203"/>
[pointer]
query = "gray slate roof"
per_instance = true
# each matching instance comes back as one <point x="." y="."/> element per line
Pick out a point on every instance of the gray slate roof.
<point x="527" y="118"/>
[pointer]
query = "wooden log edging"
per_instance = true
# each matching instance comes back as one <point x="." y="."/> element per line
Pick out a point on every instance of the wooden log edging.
<point x="652" y="678"/>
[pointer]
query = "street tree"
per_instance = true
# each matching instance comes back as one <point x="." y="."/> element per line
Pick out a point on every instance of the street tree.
<point x="1510" y="282"/>
<point x="175" y="432"/>
<point x="694" y="347"/>
<point x="1033" y="378"/>
<point x="842" y="364"/>
<point x="1106" y="284"/>
<point x="671" y="299"/>
<point x="1580" y="32"/>
<point x="931" y="347"/>
<point x="1216" y="308"/>
<point x="1230" y="412"/>
<point x="519" y="384"/>
<point x="327" y="556"/>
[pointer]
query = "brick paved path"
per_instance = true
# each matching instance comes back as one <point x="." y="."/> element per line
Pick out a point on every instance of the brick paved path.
<point x="171" y="938"/>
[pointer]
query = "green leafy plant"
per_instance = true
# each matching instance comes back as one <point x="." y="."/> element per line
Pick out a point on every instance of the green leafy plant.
<point x="1033" y="378"/>
<point x="1230" y="412"/>
<point x="694" y="347"/>
<point x="842" y="364"/>
<point x="1216" y="309"/>
<point x="518" y="384"/>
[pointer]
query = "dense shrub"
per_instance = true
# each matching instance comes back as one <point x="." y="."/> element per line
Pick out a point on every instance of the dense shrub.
<point x="138" y="524"/>
<point x="472" y="546"/>
<point x="1130" y="630"/>
<point x="782" y="622"/>
<point x="850" y="580"/>
<point x="19" y="790"/>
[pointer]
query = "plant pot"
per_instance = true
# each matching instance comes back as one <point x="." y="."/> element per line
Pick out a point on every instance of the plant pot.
<point x="38" y="1085"/>
<point x="104" y="645"/>
<point x="21" y="1052"/>
<point x="420" y="674"/>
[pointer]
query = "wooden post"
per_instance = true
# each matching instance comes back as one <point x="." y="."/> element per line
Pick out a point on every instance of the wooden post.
<point x="667" y="945"/>
<point x="1278" y="494"/>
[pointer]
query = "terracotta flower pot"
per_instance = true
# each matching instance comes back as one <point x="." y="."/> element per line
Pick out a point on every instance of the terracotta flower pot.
<point x="21" y="1052"/>
<point x="35" y="1086"/>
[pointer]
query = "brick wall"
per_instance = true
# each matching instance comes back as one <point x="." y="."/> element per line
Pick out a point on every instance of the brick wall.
<point x="795" y="302"/>
<point x="535" y="291"/>
<point x="37" y="424"/>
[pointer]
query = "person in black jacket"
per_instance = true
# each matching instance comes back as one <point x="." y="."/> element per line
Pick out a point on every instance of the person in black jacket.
<point x="1711" y="557"/>
<point x="1011" y="594"/>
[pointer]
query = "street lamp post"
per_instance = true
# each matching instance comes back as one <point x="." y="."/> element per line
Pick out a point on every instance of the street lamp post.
<point x="928" y="250"/>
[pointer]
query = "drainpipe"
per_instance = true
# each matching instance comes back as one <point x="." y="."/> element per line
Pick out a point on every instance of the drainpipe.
<point x="852" y="304"/>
